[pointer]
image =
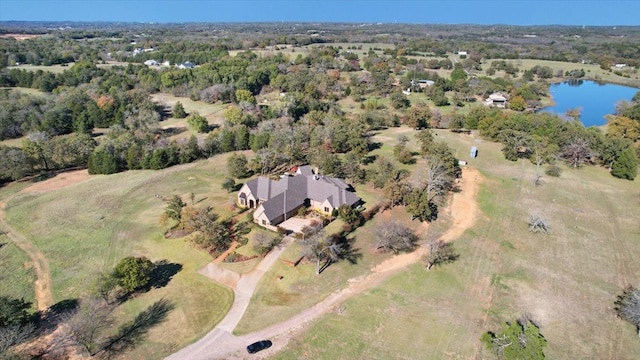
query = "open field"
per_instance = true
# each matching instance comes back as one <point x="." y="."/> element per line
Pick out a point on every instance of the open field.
<point x="29" y="91"/>
<point x="59" y="68"/>
<point x="567" y="280"/>
<point x="87" y="227"/>
<point x="592" y="71"/>
<point x="16" y="274"/>
<point x="294" y="51"/>
<point x="212" y="112"/>
<point x="21" y="37"/>
<point x="13" y="142"/>
<point x="276" y="300"/>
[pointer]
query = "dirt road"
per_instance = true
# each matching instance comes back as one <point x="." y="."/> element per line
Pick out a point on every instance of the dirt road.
<point x="43" y="294"/>
<point x="44" y="297"/>
<point x="221" y="344"/>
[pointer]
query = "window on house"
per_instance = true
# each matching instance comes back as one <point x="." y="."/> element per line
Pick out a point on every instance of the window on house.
<point x="264" y="222"/>
<point x="243" y="202"/>
<point x="326" y="209"/>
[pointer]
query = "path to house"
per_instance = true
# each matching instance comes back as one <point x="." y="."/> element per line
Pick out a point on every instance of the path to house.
<point x="221" y="344"/>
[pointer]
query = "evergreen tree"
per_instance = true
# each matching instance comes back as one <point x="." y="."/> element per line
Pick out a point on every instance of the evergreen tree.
<point x="626" y="166"/>
<point x="178" y="111"/>
<point x="102" y="162"/>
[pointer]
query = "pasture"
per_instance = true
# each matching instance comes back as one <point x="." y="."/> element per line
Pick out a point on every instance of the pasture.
<point x="592" y="71"/>
<point x="16" y="275"/>
<point x="567" y="280"/>
<point x="179" y="128"/>
<point x="86" y="228"/>
<point x="60" y="68"/>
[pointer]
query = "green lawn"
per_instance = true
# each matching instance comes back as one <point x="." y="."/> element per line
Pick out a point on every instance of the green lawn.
<point x="277" y="300"/>
<point x="567" y="281"/>
<point x="88" y="227"/>
<point x="16" y="274"/>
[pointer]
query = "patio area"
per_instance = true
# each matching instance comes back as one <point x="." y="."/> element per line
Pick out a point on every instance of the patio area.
<point x="295" y="224"/>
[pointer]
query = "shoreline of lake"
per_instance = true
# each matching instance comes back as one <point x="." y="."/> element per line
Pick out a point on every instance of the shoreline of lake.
<point x="586" y="95"/>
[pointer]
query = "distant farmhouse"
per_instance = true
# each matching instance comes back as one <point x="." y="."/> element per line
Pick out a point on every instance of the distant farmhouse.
<point x="186" y="65"/>
<point x="422" y="83"/>
<point x="496" y="100"/>
<point x="277" y="201"/>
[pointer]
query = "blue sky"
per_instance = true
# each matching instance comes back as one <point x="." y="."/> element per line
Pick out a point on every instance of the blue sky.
<point x="539" y="12"/>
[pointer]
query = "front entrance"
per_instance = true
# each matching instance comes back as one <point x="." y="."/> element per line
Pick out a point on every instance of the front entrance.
<point x="252" y="204"/>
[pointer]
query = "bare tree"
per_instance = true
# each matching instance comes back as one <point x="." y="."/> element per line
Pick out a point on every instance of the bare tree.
<point x="628" y="306"/>
<point x="438" y="178"/>
<point x="319" y="247"/>
<point x="312" y="228"/>
<point x="13" y="335"/>
<point x="577" y="152"/>
<point x="538" y="224"/>
<point x="87" y="324"/>
<point x="440" y="252"/>
<point x="395" y="237"/>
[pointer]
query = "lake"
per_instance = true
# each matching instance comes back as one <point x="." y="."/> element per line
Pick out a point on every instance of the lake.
<point x="595" y="99"/>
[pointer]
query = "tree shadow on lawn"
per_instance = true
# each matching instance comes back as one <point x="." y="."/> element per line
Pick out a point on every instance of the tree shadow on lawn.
<point x="162" y="274"/>
<point x="171" y="131"/>
<point x="50" y="318"/>
<point x="132" y="333"/>
<point x="347" y="252"/>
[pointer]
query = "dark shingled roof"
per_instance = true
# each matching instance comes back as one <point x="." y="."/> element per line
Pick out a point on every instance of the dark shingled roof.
<point x="289" y="192"/>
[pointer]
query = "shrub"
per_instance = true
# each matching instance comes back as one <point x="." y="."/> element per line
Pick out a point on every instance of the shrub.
<point x="553" y="170"/>
<point x="198" y="123"/>
<point x="178" y="111"/>
<point x="517" y="340"/>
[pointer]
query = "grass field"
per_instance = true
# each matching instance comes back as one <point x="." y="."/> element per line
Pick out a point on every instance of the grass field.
<point x="58" y="69"/>
<point x="592" y="71"/>
<point x="25" y="90"/>
<point x="567" y="280"/>
<point x="16" y="276"/>
<point x="88" y="227"/>
<point x="277" y="300"/>
<point x="213" y="113"/>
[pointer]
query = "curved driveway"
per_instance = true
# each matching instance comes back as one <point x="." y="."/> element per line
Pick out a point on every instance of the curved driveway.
<point x="220" y="343"/>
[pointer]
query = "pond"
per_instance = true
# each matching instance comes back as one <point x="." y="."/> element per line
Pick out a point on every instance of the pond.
<point x="595" y="99"/>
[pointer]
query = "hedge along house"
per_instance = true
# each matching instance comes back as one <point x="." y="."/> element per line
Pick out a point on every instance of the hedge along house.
<point x="277" y="201"/>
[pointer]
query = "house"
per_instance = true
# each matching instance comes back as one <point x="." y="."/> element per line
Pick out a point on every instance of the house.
<point x="186" y="65"/>
<point x="151" y="63"/>
<point x="462" y="53"/>
<point x="422" y="83"/>
<point x="275" y="201"/>
<point x="137" y="51"/>
<point x="496" y="100"/>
